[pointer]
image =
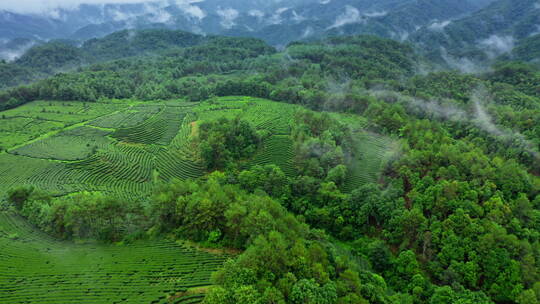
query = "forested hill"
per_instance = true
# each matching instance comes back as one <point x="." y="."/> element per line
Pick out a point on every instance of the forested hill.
<point x="334" y="171"/>
<point x="395" y="19"/>
<point x="277" y="22"/>
<point x="527" y="50"/>
<point x="484" y="35"/>
<point x="175" y="72"/>
<point x="64" y="55"/>
<point x="459" y="34"/>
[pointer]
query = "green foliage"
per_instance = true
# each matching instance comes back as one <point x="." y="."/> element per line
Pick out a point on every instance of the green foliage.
<point x="277" y="150"/>
<point x="12" y="75"/>
<point x="308" y="291"/>
<point x="444" y="85"/>
<point x="19" y="196"/>
<point x="125" y="147"/>
<point x="197" y="68"/>
<point x="223" y="141"/>
<point x="285" y="269"/>
<point x="320" y="144"/>
<point x="46" y="58"/>
<point x="359" y="57"/>
<point x="269" y="178"/>
<point x="159" y="129"/>
<point x="461" y="241"/>
<point x="81" y="216"/>
<point x="522" y="76"/>
<point x="528" y="49"/>
<point x="197" y="210"/>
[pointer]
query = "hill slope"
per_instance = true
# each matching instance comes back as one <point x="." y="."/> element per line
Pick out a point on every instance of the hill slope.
<point x="49" y="58"/>
<point x="38" y="268"/>
<point x="119" y="147"/>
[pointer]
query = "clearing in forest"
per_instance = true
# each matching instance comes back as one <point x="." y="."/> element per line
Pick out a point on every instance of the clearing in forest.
<point x="371" y="153"/>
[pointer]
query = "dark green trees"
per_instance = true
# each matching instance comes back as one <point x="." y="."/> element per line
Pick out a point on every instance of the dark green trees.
<point x="224" y="141"/>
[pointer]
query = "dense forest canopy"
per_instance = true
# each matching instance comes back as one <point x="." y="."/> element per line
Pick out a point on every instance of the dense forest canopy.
<point x="380" y="178"/>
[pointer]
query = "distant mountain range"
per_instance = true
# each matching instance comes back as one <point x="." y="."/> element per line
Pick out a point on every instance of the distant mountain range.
<point x="457" y="32"/>
<point x="277" y="21"/>
<point x="503" y="28"/>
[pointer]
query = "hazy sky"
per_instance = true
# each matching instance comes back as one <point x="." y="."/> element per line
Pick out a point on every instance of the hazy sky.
<point x="37" y="6"/>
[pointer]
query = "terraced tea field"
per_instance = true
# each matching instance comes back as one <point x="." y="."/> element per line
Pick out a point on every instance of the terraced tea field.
<point x="277" y="150"/>
<point x="73" y="144"/>
<point x="124" y="147"/>
<point x="372" y="151"/>
<point x="35" y="268"/>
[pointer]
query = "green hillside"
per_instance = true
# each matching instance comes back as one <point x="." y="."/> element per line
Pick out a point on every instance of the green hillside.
<point x="59" y="56"/>
<point x="528" y="49"/>
<point x="337" y="171"/>
<point x="119" y="147"/>
<point x="35" y="267"/>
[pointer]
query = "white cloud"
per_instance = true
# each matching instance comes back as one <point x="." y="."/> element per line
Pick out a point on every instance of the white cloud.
<point x="162" y="17"/>
<point x="439" y="26"/>
<point x="228" y="16"/>
<point x="154" y="12"/>
<point x="496" y="45"/>
<point x="484" y="120"/>
<point x="351" y="15"/>
<point x="46" y="6"/>
<point x="376" y="14"/>
<point x="119" y="16"/>
<point x="298" y="18"/>
<point x="256" y="13"/>
<point x="191" y="10"/>
<point x="307" y="32"/>
<point x="51" y="7"/>
<point x="157" y="14"/>
<point x="462" y="64"/>
<point x="400" y="35"/>
<point x="276" y="17"/>
<point x="478" y="116"/>
<point x="14" y="53"/>
<point x="54" y="14"/>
